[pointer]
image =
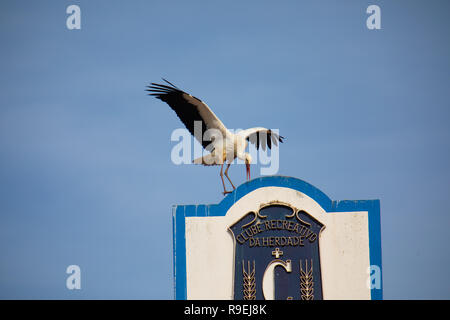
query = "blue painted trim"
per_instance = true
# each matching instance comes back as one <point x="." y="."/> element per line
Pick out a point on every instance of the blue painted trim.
<point x="180" y="212"/>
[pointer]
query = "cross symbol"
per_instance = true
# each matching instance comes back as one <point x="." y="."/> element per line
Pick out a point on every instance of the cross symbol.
<point x="277" y="253"/>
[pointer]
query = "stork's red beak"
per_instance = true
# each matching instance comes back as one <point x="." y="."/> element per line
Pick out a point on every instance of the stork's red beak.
<point x="247" y="165"/>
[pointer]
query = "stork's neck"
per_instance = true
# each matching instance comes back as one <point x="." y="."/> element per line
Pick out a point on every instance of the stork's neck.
<point x="240" y="145"/>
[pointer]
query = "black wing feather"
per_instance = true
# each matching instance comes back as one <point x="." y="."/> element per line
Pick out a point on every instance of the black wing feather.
<point x="186" y="112"/>
<point x="263" y="138"/>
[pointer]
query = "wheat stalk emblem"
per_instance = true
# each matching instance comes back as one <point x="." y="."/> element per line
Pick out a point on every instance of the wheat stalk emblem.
<point x="248" y="279"/>
<point x="306" y="281"/>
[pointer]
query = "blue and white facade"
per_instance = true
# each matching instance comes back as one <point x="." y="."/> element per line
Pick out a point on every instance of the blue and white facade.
<point x="350" y="242"/>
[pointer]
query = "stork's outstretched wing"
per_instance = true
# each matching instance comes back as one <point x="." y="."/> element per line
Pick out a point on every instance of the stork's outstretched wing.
<point x="188" y="108"/>
<point x="261" y="137"/>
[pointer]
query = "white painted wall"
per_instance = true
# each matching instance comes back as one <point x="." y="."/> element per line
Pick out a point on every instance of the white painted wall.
<point x="344" y="247"/>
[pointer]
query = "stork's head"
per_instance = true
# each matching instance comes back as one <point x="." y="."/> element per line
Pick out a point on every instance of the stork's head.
<point x="248" y="160"/>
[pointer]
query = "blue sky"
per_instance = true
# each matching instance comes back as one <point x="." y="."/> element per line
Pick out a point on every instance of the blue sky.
<point x="85" y="169"/>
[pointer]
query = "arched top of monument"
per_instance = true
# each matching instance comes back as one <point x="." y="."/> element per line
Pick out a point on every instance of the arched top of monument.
<point x="277" y="181"/>
<point x="304" y="187"/>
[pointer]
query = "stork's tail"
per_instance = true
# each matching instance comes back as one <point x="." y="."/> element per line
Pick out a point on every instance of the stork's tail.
<point x="208" y="160"/>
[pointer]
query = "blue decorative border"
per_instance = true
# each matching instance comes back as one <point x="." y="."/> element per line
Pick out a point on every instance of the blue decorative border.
<point x="180" y="212"/>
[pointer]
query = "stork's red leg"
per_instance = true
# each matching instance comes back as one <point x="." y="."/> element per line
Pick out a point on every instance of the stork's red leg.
<point x="223" y="182"/>
<point x="226" y="174"/>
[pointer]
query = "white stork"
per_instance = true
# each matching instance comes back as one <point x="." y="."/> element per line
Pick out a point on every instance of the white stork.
<point x="225" y="146"/>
